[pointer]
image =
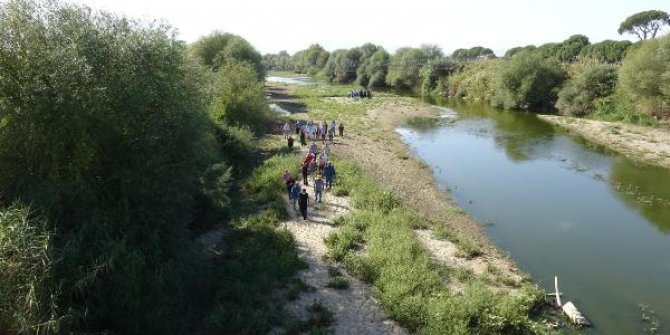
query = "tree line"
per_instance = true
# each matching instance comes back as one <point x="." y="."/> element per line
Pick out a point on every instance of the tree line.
<point x="118" y="143"/>
<point x="575" y="76"/>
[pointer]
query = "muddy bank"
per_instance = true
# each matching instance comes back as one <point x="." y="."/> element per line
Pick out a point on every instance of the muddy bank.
<point x="642" y="144"/>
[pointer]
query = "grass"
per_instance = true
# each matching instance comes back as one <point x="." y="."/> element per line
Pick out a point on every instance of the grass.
<point x="408" y="284"/>
<point x="261" y="259"/>
<point x="338" y="283"/>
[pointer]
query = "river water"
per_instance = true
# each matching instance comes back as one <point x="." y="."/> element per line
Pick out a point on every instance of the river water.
<point x="559" y="206"/>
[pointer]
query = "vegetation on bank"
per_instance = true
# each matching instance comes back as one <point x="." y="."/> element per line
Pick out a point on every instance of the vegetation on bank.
<point x="538" y="78"/>
<point x="411" y="287"/>
<point x="118" y="145"/>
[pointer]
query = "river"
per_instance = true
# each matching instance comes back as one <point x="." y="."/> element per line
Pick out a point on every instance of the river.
<point x="559" y="206"/>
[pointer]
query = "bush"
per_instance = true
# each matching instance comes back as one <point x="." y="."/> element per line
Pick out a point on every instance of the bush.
<point x="476" y="81"/>
<point x="239" y="98"/>
<point x="103" y="130"/>
<point x="645" y="75"/>
<point x="528" y="81"/>
<point x="578" y="96"/>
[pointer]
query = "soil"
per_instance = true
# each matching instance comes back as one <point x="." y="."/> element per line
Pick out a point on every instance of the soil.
<point x="643" y="144"/>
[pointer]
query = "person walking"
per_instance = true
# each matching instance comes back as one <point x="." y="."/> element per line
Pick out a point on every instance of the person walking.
<point x="303" y="141"/>
<point x="290" y="142"/>
<point x="305" y="173"/>
<point x="298" y="127"/>
<point x="341" y="129"/>
<point x="318" y="188"/>
<point x="295" y="194"/>
<point x="312" y="148"/>
<point x="329" y="173"/>
<point x="289" y="181"/>
<point x="287" y="130"/>
<point x="303" y="199"/>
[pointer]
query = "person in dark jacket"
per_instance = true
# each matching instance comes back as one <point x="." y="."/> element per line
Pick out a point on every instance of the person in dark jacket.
<point x="303" y="198"/>
<point x="290" y="142"/>
<point x="305" y="173"/>
<point x="329" y="173"/>
<point x="302" y="137"/>
<point x="295" y="194"/>
<point x="341" y="129"/>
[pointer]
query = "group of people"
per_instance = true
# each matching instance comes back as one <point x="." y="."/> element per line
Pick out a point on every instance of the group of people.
<point x="360" y="93"/>
<point x="313" y="130"/>
<point x="317" y="165"/>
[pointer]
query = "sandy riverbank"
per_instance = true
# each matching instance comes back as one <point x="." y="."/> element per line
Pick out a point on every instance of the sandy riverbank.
<point x="642" y="144"/>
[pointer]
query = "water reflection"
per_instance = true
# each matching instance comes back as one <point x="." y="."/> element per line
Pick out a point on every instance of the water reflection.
<point x="644" y="188"/>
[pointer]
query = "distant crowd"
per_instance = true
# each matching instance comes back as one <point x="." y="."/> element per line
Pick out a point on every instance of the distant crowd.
<point x="316" y="164"/>
<point x="360" y="93"/>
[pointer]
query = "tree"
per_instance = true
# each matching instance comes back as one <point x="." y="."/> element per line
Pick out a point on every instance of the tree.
<point x="607" y="51"/>
<point x="341" y="66"/>
<point x="645" y="74"/>
<point x="404" y="68"/>
<point x="570" y="48"/>
<point x="580" y="93"/>
<point x="473" y="53"/>
<point x="103" y="130"/>
<point x="513" y="51"/>
<point x="239" y="99"/>
<point x="528" y="81"/>
<point x="644" y="24"/>
<point x="311" y="60"/>
<point x="373" y="71"/>
<point x="217" y="48"/>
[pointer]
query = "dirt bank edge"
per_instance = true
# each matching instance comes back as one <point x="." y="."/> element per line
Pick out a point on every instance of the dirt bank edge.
<point x="642" y="144"/>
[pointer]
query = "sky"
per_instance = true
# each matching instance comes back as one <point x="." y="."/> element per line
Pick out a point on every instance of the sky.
<point x="293" y="25"/>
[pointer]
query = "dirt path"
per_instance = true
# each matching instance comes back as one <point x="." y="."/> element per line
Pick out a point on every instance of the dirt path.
<point x="354" y="309"/>
<point x="646" y="144"/>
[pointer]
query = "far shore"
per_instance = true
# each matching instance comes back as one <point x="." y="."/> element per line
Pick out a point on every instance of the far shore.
<point x="642" y="144"/>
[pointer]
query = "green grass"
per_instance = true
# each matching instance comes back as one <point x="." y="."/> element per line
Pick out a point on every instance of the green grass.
<point x="261" y="259"/>
<point x="407" y="282"/>
<point x="338" y="283"/>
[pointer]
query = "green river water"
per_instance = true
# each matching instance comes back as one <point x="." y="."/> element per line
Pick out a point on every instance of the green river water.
<point x="560" y="206"/>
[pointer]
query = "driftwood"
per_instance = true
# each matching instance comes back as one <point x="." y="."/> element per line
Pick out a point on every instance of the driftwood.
<point x="569" y="308"/>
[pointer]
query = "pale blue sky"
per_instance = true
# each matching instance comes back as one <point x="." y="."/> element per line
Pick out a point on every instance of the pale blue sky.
<point x="294" y="24"/>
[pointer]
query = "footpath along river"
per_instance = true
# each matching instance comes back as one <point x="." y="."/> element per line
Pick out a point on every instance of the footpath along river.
<point x="560" y="206"/>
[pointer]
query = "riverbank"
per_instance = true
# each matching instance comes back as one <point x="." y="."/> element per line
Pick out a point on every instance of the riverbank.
<point x="425" y="257"/>
<point x="639" y="143"/>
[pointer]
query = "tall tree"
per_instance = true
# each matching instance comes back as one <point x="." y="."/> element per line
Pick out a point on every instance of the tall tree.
<point x="644" y="24"/>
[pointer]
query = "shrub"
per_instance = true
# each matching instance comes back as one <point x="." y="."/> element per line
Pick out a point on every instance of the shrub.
<point x="528" y="81"/>
<point x="645" y="76"/>
<point x="239" y="98"/>
<point x="475" y="82"/>
<point x="578" y="96"/>
<point x="338" y="283"/>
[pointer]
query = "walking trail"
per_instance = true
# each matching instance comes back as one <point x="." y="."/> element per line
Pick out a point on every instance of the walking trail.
<point x="354" y="309"/>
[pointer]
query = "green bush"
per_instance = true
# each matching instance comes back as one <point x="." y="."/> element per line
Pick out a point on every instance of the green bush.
<point x="476" y="81"/>
<point x="239" y="98"/>
<point x="528" y="81"/>
<point x="578" y="96"/>
<point x="103" y="130"/>
<point x="644" y="77"/>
